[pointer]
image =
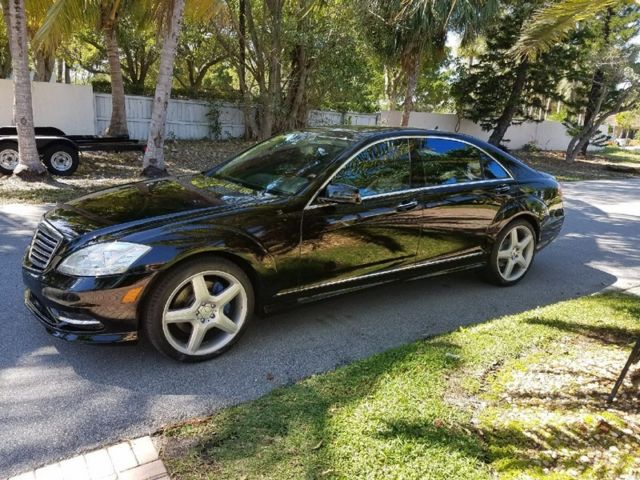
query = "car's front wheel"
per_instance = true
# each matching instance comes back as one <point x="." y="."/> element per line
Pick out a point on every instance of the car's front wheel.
<point x="199" y="309"/>
<point x="512" y="253"/>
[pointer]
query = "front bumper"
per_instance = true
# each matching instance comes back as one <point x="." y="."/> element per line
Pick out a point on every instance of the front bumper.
<point x="89" y="310"/>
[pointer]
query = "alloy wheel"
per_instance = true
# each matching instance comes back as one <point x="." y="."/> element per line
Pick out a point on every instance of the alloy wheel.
<point x="204" y="313"/>
<point x="515" y="253"/>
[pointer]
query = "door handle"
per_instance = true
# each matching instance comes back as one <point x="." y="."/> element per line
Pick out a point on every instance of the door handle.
<point x="504" y="188"/>
<point x="404" y="206"/>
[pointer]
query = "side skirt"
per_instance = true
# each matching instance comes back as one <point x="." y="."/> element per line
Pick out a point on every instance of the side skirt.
<point x="307" y="296"/>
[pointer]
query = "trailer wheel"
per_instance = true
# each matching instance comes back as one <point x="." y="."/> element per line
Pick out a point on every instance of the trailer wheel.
<point x="61" y="160"/>
<point x="8" y="157"/>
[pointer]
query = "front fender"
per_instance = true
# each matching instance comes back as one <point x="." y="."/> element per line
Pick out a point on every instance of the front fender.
<point x="171" y="245"/>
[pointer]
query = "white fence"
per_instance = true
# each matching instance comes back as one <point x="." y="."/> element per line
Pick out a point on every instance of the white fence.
<point x="186" y="119"/>
<point x="76" y="110"/>
<point x="194" y="120"/>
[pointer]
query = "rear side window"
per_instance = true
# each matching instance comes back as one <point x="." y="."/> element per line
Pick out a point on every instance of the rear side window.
<point x="493" y="169"/>
<point x="442" y="161"/>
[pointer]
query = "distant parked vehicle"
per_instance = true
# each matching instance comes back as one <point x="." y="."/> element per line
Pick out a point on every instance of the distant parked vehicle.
<point x="60" y="152"/>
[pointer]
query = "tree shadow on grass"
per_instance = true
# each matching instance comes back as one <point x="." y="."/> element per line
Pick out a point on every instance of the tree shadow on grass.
<point x="607" y="334"/>
<point x="290" y="432"/>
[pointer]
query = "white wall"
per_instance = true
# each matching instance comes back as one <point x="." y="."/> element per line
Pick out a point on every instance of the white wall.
<point x="548" y="135"/>
<point x="68" y="107"/>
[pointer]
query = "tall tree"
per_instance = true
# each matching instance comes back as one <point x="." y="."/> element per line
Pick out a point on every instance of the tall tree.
<point x="153" y="163"/>
<point x="411" y="31"/>
<point x="606" y="81"/>
<point x="198" y="52"/>
<point x="29" y="165"/>
<point x="497" y="90"/>
<point x="62" y="22"/>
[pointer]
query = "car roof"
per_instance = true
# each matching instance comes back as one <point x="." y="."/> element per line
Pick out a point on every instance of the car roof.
<point x="367" y="132"/>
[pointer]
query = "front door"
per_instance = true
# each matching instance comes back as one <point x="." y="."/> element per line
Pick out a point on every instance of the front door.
<point x="342" y="242"/>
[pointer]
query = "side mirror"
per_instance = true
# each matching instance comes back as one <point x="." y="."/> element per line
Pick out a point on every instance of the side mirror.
<point x="340" y="193"/>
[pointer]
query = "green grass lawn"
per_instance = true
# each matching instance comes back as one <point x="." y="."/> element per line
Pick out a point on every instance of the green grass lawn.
<point x="435" y="409"/>
<point x="621" y="155"/>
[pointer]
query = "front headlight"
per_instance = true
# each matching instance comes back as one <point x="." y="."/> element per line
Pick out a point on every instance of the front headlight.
<point x="102" y="259"/>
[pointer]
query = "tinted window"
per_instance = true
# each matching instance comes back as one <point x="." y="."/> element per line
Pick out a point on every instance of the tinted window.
<point x="492" y="169"/>
<point x="283" y="165"/>
<point x="382" y="168"/>
<point x="446" y="161"/>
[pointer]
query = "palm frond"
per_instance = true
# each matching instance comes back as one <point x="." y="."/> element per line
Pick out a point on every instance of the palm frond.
<point x="552" y="24"/>
<point x="62" y="20"/>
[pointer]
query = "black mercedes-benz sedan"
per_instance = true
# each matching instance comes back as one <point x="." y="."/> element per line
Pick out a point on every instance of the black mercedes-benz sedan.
<point x="188" y="260"/>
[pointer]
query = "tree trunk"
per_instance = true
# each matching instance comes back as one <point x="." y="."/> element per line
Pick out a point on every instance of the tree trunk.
<point x="598" y="78"/>
<point x="296" y="111"/>
<point x="411" y="68"/>
<point x="118" y="124"/>
<point x="511" y="107"/>
<point x="251" y="128"/>
<point x="271" y="102"/>
<point x="59" y="70"/>
<point x="6" y="68"/>
<point x="29" y="165"/>
<point x="153" y="163"/>
<point x="44" y="67"/>
<point x="67" y="73"/>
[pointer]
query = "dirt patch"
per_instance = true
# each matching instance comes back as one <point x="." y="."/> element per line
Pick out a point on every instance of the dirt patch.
<point x="592" y="167"/>
<point x="546" y="413"/>
<point x="102" y="170"/>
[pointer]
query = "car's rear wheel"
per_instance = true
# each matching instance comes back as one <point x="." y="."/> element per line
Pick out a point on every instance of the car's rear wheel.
<point x="512" y="253"/>
<point x="8" y="157"/>
<point x="199" y="310"/>
<point x="61" y="160"/>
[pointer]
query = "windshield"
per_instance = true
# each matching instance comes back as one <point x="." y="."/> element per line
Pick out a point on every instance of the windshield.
<point x="283" y="165"/>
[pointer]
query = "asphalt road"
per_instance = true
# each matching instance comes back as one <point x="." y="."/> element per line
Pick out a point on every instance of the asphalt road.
<point x="58" y="398"/>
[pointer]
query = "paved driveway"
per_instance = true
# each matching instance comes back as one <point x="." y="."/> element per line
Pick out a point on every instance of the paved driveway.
<point x="57" y="398"/>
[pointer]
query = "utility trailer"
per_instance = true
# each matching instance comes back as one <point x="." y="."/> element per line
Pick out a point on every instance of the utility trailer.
<point x="60" y="152"/>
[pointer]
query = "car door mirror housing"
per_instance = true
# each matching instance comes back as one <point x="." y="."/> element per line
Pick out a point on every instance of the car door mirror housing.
<point x="340" y="193"/>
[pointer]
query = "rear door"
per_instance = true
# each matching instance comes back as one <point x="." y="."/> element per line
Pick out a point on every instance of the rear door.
<point x="466" y="190"/>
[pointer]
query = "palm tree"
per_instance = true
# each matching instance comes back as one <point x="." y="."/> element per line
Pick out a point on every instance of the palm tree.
<point x="153" y="163"/>
<point x="551" y="24"/>
<point x="170" y="14"/>
<point x="414" y="30"/>
<point x="61" y="22"/>
<point x="29" y="165"/>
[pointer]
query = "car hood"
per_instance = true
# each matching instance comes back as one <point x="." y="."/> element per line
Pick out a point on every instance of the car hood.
<point x="151" y="201"/>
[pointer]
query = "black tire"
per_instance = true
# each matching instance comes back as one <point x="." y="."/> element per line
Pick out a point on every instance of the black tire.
<point x="171" y="286"/>
<point x="7" y="151"/>
<point x="62" y="160"/>
<point x="493" y="270"/>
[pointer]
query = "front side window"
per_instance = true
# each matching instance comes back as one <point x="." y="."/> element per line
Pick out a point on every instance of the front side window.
<point x="284" y="164"/>
<point x="382" y="168"/>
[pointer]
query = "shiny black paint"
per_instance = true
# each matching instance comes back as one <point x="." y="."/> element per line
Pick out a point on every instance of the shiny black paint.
<point x="292" y="248"/>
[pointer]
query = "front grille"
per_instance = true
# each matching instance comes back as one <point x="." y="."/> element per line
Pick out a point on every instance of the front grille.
<point x="43" y="246"/>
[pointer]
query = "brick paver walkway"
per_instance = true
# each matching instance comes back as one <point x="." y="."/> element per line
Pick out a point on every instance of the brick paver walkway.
<point x="133" y="460"/>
